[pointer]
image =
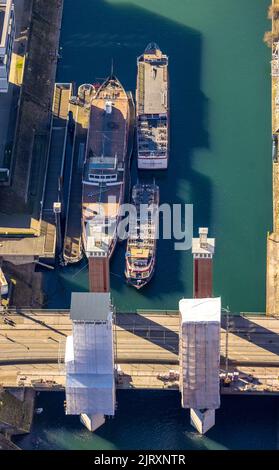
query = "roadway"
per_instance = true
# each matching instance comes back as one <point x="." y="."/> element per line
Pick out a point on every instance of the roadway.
<point x="32" y="348"/>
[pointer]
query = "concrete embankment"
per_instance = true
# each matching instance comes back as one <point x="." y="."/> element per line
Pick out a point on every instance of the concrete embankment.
<point x="16" y="414"/>
<point x="25" y="236"/>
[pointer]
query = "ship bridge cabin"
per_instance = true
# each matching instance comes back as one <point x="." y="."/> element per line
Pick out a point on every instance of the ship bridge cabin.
<point x="103" y="169"/>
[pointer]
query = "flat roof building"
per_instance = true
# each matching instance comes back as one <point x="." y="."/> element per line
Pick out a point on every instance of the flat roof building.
<point x="7" y="36"/>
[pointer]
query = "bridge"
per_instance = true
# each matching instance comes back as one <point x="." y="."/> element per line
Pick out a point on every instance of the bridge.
<point x="32" y="348"/>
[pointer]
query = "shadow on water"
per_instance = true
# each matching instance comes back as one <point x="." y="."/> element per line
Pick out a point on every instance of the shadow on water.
<point x="154" y="420"/>
<point x="122" y="32"/>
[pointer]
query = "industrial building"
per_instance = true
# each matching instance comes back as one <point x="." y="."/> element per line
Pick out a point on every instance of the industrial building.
<point x="7" y="36"/>
<point x="199" y="359"/>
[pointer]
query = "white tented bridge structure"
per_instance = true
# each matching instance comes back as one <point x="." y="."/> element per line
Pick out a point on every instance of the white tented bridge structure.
<point x="89" y="359"/>
<point x="199" y="358"/>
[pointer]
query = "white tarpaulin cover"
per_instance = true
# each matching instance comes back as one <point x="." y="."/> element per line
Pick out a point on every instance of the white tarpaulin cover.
<point x="93" y="348"/>
<point x="200" y="352"/>
<point x="200" y="309"/>
<point x="89" y="358"/>
<point x="90" y="394"/>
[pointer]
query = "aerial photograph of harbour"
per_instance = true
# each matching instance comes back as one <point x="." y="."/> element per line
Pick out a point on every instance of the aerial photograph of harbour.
<point x="139" y="228"/>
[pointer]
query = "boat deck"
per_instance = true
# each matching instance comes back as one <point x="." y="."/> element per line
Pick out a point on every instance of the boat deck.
<point x="108" y="131"/>
<point x="102" y="199"/>
<point x="152" y="137"/>
<point x="152" y="108"/>
<point x="106" y="151"/>
<point x="152" y="88"/>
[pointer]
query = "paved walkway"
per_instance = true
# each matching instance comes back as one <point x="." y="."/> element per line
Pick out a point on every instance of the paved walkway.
<point x="72" y="251"/>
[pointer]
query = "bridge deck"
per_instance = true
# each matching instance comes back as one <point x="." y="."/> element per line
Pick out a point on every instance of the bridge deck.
<point x="32" y="350"/>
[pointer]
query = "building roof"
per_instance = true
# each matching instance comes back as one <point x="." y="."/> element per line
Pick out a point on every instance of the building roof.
<point x="90" y="306"/>
<point x="200" y="310"/>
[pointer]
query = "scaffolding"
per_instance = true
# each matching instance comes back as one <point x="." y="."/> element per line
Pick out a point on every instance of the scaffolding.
<point x="89" y="358"/>
<point x="199" y="352"/>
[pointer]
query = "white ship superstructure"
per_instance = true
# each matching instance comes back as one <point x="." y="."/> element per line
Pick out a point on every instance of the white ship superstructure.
<point x="142" y="241"/>
<point x="152" y="98"/>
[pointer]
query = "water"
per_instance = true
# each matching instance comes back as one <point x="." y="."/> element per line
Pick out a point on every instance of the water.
<point x="220" y="135"/>
<point x="154" y="420"/>
<point x="220" y="161"/>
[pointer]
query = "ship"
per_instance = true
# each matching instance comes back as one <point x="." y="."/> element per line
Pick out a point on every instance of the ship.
<point x="106" y="167"/>
<point x="142" y="240"/>
<point x="152" y="109"/>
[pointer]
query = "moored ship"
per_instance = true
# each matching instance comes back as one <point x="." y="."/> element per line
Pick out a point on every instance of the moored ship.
<point x="105" y="168"/>
<point x="142" y="241"/>
<point x="152" y="100"/>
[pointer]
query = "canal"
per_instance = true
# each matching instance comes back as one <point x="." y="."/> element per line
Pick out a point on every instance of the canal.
<point x="220" y="162"/>
<point x="155" y="420"/>
<point x="220" y="158"/>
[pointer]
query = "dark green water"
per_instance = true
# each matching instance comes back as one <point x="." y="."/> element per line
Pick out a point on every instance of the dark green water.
<point x="220" y="134"/>
<point x="155" y="420"/>
<point x="220" y="162"/>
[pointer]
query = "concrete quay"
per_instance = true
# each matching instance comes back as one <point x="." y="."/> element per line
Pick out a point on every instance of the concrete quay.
<point x="24" y="235"/>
